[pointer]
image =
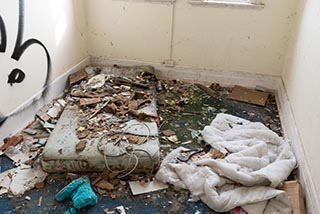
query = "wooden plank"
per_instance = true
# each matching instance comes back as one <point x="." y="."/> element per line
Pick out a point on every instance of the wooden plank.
<point x="89" y="101"/>
<point x="294" y="190"/>
<point x="246" y="95"/>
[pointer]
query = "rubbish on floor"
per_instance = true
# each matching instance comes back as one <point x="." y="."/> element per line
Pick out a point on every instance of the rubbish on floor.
<point x="80" y="192"/>
<point x="208" y="91"/>
<point x="81" y="146"/>
<point x="294" y="190"/>
<point x="117" y="120"/>
<point x="18" y="157"/>
<point x="125" y="121"/>
<point x="96" y="81"/>
<point x="77" y="77"/>
<point x="55" y="110"/>
<point x="39" y="201"/>
<point x="168" y="132"/>
<point x="18" y="180"/>
<point x="173" y="139"/>
<point x="257" y="160"/>
<point x="11" y="141"/>
<point x="30" y="131"/>
<point x="141" y="187"/>
<point x="120" y="210"/>
<point x="249" y="96"/>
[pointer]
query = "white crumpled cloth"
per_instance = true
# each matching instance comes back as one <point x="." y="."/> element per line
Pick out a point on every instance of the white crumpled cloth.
<point x="258" y="161"/>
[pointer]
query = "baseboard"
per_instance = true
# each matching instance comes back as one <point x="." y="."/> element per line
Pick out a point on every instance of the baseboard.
<point x="229" y="78"/>
<point x="193" y="74"/>
<point x="291" y="132"/>
<point x="24" y="114"/>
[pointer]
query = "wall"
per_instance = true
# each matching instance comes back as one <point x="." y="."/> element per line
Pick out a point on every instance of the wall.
<point x="38" y="43"/>
<point x="219" y="38"/>
<point x="302" y="81"/>
<point x="133" y="30"/>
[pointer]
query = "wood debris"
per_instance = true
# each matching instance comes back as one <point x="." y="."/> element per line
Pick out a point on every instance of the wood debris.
<point x="78" y="77"/>
<point x="168" y="132"/>
<point x="89" y="101"/>
<point x="11" y="141"/>
<point x="81" y="146"/>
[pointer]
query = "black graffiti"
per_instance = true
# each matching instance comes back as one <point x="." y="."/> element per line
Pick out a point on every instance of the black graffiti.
<point x="3" y="42"/>
<point x="17" y="75"/>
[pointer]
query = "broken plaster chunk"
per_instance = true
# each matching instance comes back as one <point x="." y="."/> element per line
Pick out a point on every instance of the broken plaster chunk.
<point x="138" y="188"/>
<point x="48" y="125"/>
<point x="54" y="111"/>
<point x="173" y="139"/>
<point x="105" y="185"/>
<point x="62" y="102"/>
<point x="120" y="210"/>
<point x="97" y="81"/>
<point x="16" y="155"/>
<point x="42" y="113"/>
<point x="18" y="180"/>
<point x="30" y="131"/>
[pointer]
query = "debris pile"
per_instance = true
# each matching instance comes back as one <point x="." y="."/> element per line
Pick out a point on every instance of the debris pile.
<point x="103" y="134"/>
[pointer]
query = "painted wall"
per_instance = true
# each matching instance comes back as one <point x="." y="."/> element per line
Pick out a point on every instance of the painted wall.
<point x="40" y="40"/>
<point x="302" y="80"/>
<point x="135" y="30"/>
<point x="219" y="38"/>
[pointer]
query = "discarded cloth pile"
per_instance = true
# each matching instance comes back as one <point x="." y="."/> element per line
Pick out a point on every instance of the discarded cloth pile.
<point x="245" y="164"/>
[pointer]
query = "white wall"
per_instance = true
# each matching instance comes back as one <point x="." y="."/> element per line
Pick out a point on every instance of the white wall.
<point x="133" y="30"/>
<point x="60" y="25"/>
<point x="219" y="38"/>
<point x="302" y="80"/>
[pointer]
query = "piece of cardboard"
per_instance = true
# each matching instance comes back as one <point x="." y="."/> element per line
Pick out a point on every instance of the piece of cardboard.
<point x="295" y="193"/>
<point x="246" y="95"/>
<point x="78" y="77"/>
